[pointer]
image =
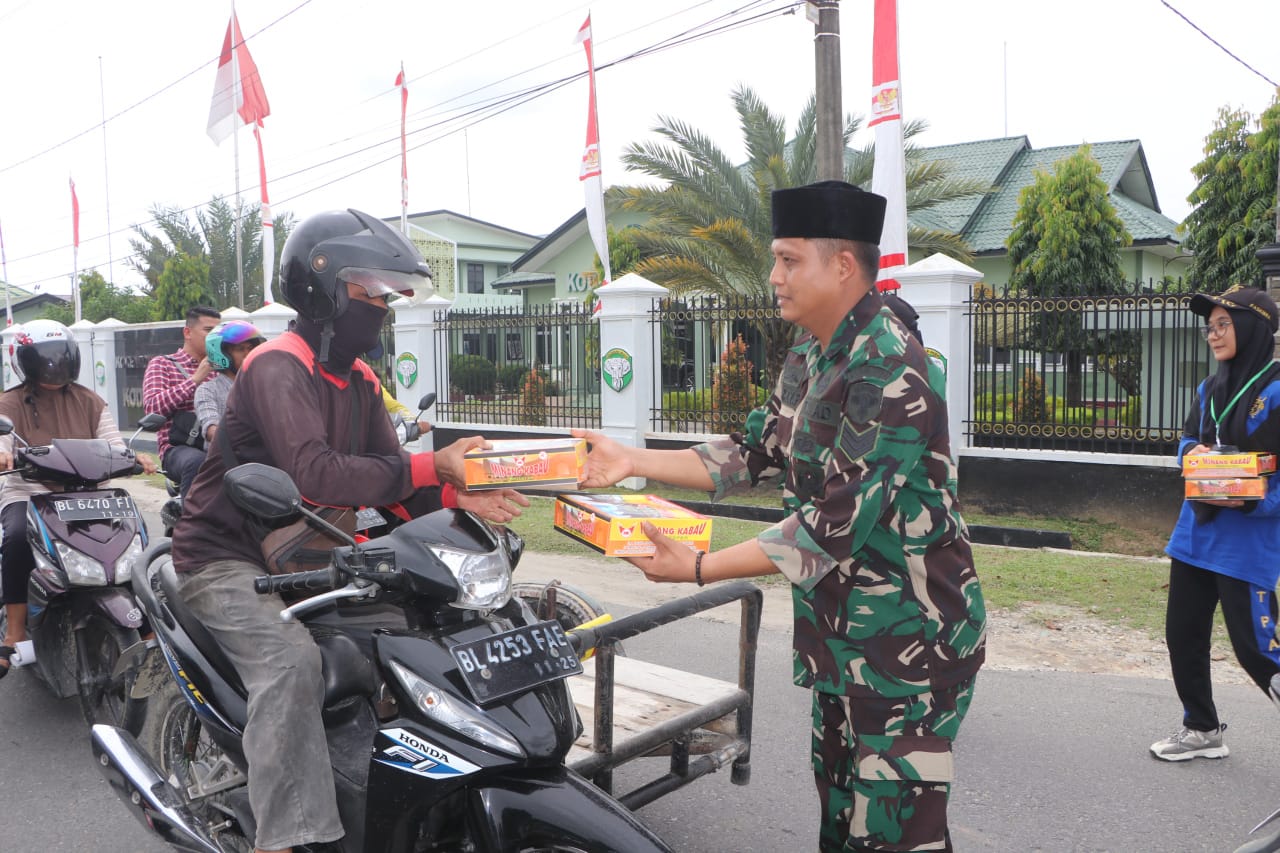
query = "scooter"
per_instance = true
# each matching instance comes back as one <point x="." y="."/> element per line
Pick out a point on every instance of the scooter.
<point x="449" y="736"/>
<point x="81" y="614"/>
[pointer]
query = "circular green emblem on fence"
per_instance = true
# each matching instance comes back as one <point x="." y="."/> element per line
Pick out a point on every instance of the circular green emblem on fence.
<point x="100" y="373"/>
<point x="407" y="369"/>
<point x="616" y="368"/>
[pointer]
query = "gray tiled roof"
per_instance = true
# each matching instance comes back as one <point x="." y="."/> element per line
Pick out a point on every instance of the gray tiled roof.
<point x="1011" y="164"/>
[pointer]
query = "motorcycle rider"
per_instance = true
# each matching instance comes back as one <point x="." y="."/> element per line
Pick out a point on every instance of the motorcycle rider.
<point x="226" y="347"/>
<point x="298" y="400"/>
<point x="169" y="388"/>
<point x="48" y="404"/>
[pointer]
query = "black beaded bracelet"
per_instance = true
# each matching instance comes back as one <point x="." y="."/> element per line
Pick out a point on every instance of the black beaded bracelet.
<point x="697" y="567"/>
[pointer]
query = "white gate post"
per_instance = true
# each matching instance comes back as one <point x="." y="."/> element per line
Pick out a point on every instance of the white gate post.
<point x="628" y="373"/>
<point x="104" y="369"/>
<point x="272" y="319"/>
<point x="83" y="332"/>
<point x="417" y="355"/>
<point x="939" y="288"/>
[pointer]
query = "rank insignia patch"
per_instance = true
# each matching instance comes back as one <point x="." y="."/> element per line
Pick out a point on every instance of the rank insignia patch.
<point x="862" y="402"/>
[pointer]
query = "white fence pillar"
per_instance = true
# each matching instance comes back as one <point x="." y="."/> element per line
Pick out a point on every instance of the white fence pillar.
<point x="83" y="332"/>
<point x="628" y="375"/>
<point x="103" y="361"/>
<point x="419" y="362"/>
<point x="271" y="319"/>
<point x="939" y="288"/>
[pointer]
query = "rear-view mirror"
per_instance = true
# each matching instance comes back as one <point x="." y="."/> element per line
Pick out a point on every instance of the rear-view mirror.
<point x="263" y="492"/>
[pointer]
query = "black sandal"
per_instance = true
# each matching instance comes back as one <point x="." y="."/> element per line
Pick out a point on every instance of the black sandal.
<point x="6" y="652"/>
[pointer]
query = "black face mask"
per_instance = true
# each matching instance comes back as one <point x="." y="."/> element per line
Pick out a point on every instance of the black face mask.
<point x="354" y="332"/>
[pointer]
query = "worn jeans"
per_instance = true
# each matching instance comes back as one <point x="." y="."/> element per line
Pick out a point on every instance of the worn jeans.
<point x="290" y="778"/>
<point x="181" y="464"/>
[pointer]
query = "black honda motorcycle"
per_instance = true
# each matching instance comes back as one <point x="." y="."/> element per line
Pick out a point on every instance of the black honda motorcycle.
<point x="81" y="615"/>
<point x="446" y="709"/>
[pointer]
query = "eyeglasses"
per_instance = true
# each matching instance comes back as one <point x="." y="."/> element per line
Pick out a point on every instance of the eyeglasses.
<point x="1215" y="329"/>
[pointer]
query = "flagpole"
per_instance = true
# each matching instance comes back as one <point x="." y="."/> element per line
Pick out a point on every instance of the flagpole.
<point x="4" y="270"/>
<point x="404" y="156"/>
<point x="589" y="173"/>
<point x="236" y="39"/>
<point x="106" y="182"/>
<point x="889" y="176"/>
<point x="75" y="247"/>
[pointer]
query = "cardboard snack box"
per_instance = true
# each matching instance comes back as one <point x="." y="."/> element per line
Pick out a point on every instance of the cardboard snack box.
<point x="519" y="462"/>
<point x="1227" y="488"/>
<point x="1215" y="466"/>
<point x="611" y="523"/>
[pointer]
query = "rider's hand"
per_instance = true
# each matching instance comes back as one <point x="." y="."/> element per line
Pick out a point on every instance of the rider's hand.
<point x="203" y="369"/>
<point x="6" y="461"/>
<point x="146" y="460"/>
<point x="497" y="505"/>
<point x="424" y="426"/>
<point x="449" y="464"/>
<point x="673" y="562"/>
<point x="607" y="463"/>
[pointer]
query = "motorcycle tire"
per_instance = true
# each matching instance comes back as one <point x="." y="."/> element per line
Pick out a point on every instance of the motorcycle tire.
<point x="174" y="737"/>
<point x="104" y="699"/>
<point x="573" y="606"/>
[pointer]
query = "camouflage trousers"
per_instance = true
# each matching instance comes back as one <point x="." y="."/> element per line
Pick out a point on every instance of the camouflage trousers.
<point x="884" y="769"/>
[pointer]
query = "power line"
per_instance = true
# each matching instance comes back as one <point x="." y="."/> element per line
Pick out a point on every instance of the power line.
<point x="478" y="111"/>
<point x="1219" y="44"/>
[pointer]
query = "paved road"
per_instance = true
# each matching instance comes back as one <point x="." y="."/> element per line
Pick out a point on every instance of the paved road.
<point x="1047" y="761"/>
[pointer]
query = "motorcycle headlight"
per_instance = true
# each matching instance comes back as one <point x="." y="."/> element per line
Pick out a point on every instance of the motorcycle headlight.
<point x="81" y="570"/>
<point x="124" y="565"/>
<point x="463" y="717"/>
<point x="484" y="580"/>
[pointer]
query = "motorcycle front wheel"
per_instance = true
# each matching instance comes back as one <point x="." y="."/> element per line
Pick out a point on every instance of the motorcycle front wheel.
<point x="105" y="698"/>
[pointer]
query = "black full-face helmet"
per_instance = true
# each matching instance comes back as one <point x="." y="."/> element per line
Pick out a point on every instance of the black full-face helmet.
<point x="331" y="248"/>
<point x="45" y="352"/>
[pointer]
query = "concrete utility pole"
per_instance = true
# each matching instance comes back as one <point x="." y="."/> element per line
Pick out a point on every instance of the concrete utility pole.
<point x="830" y="121"/>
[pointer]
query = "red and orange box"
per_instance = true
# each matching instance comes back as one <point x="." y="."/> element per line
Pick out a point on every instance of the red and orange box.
<point x="519" y="462"/>
<point x="1228" y="488"/>
<point x="611" y="523"/>
<point x="1217" y="466"/>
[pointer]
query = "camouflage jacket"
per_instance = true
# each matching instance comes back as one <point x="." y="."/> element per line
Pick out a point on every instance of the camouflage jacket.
<point x="886" y="599"/>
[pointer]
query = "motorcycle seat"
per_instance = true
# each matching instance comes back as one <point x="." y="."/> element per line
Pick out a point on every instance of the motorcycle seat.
<point x="195" y="629"/>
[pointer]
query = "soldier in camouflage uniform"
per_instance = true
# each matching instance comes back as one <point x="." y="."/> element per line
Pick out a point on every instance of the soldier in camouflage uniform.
<point x="889" y="616"/>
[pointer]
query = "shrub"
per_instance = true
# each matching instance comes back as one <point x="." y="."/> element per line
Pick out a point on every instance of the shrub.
<point x="732" y="394"/>
<point x="533" y="399"/>
<point x="511" y="376"/>
<point x="473" y="374"/>
<point x="1032" y="407"/>
<point x="1131" y="414"/>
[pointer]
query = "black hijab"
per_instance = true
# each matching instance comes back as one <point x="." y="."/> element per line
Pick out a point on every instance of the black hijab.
<point x="1255" y="350"/>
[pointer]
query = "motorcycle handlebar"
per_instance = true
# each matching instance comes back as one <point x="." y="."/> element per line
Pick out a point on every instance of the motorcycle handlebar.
<point x="313" y="581"/>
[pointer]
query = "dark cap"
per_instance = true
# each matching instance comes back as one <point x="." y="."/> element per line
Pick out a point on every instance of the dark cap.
<point x="1239" y="298"/>
<point x="828" y="209"/>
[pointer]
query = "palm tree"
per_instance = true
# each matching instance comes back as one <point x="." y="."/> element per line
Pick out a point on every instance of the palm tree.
<point x="709" y="229"/>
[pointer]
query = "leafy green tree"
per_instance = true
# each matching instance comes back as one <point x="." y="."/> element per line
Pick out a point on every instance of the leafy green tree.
<point x="212" y="237"/>
<point x="100" y="299"/>
<point x="1233" y="212"/>
<point x="183" y="283"/>
<point x="709" y="228"/>
<point x="1066" y="241"/>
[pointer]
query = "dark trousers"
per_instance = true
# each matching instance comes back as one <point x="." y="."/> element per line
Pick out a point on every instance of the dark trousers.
<point x="1250" y="615"/>
<point x="181" y="464"/>
<point x="16" y="559"/>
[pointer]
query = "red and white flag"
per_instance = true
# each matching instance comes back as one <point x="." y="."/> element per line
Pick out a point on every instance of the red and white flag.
<point x="404" y="155"/>
<point x="75" y="247"/>
<point x="589" y="173"/>
<point x="268" y="226"/>
<point x="889" y="178"/>
<point x="238" y="96"/>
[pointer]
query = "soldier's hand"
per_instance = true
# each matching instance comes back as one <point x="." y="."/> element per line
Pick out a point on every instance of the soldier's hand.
<point x="449" y="463"/>
<point x="607" y="461"/>
<point x="672" y="563"/>
<point x="498" y="505"/>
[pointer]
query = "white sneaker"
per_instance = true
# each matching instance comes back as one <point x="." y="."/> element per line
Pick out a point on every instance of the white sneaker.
<point x="1190" y="743"/>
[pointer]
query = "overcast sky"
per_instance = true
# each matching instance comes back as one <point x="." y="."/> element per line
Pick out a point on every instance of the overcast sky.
<point x="1080" y="71"/>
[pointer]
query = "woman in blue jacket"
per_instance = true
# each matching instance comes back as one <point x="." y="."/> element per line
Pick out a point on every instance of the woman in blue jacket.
<point x="1225" y="552"/>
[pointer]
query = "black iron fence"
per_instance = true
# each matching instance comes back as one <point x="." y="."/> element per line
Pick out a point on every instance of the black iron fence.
<point x="525" y="366"/>
<point x="717" y="358"/>
<point x="1103" y="374"/>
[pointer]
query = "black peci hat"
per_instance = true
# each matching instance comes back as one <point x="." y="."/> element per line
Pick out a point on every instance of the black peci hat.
<point x="828" y="209"/>
<point x="1239" y="298"/>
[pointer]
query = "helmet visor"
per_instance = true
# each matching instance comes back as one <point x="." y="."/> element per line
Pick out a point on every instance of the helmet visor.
<point x="414" y="287"/>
